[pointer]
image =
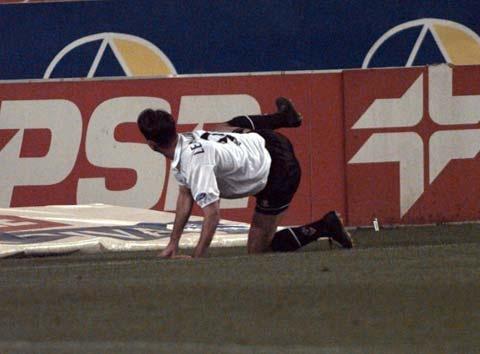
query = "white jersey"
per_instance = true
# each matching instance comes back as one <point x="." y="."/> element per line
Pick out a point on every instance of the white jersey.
<point x="217" y="165"/>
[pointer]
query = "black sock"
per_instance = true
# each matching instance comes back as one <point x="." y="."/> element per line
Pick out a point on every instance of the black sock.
<point x="256" y="122"/>
<point x="293" y="238"/>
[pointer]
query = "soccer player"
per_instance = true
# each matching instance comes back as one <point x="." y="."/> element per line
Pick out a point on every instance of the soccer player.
<point x="210" y="165"/>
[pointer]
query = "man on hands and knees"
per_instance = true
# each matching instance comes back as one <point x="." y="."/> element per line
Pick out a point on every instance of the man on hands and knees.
<point x="261" y="163"/>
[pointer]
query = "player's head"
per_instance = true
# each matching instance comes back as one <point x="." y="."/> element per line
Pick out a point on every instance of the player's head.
<point x="158" y="128"/>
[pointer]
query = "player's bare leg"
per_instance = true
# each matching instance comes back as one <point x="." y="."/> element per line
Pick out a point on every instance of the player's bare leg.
<point x="262" y="229"/>
<point x="223" y="127"/>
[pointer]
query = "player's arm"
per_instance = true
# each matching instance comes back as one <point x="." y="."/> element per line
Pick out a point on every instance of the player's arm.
<point x="211" y="218"/>
<point x="182" y="214"/>
<point x="205" y="192"/>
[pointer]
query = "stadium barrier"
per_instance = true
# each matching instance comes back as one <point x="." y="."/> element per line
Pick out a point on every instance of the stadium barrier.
<point x="398" y="144"/>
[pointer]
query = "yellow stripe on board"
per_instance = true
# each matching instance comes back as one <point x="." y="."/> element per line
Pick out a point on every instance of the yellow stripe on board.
<point x="141" y="60"/>
<point x="462" y="48"/>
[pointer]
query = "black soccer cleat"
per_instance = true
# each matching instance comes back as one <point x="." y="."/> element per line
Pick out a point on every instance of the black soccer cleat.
<point x="336" y="230"/>
<point x="285" y="106"/>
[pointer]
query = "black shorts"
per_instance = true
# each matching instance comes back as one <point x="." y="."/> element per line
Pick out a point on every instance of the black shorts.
<point x="284" y="176"/>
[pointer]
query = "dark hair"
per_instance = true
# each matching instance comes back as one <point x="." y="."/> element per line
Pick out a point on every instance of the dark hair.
<point x="158" y="126"/>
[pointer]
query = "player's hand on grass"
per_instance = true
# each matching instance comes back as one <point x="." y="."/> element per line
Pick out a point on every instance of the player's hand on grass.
<point x="170" y="251"/>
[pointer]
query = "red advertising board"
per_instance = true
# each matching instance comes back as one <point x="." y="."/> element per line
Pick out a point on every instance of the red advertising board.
<point x="77" y="142"/>
<point x="412" y="140"/>
<point x="400" y="145"/>
<point x="327" y="145"/>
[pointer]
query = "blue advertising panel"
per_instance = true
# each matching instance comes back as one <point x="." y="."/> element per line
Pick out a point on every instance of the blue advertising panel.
<point x="150" y="37"/>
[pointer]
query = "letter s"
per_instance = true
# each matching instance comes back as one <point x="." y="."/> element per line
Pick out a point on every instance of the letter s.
<point x="104" y="151"/>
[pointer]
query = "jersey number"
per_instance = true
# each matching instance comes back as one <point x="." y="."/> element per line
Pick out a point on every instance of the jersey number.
<point x="220" y="138"/>
<point x="197" y="148"/>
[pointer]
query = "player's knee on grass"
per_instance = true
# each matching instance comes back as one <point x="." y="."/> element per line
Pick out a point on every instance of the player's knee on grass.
<point x="293" y="238"/>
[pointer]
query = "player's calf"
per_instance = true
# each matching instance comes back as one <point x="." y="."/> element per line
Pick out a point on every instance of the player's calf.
<point x="293" y="238"/>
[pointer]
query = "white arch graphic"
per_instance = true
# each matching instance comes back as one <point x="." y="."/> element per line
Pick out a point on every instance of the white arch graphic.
<point x="107" y="39"/>
<point x="427" y="24"/>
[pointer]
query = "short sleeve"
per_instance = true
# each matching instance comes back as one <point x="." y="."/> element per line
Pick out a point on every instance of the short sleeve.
<point x="179" y="177"/>
<point x="203" y="185"/>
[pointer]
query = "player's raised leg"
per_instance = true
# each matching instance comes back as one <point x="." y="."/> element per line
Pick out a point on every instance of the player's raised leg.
<point x="286" y="116"/>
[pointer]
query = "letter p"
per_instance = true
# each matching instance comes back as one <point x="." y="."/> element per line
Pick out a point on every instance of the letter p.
<point x="64" y="121"/>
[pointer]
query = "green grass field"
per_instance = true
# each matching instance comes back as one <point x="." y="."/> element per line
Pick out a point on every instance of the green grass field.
<point x="405" y="290"/>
